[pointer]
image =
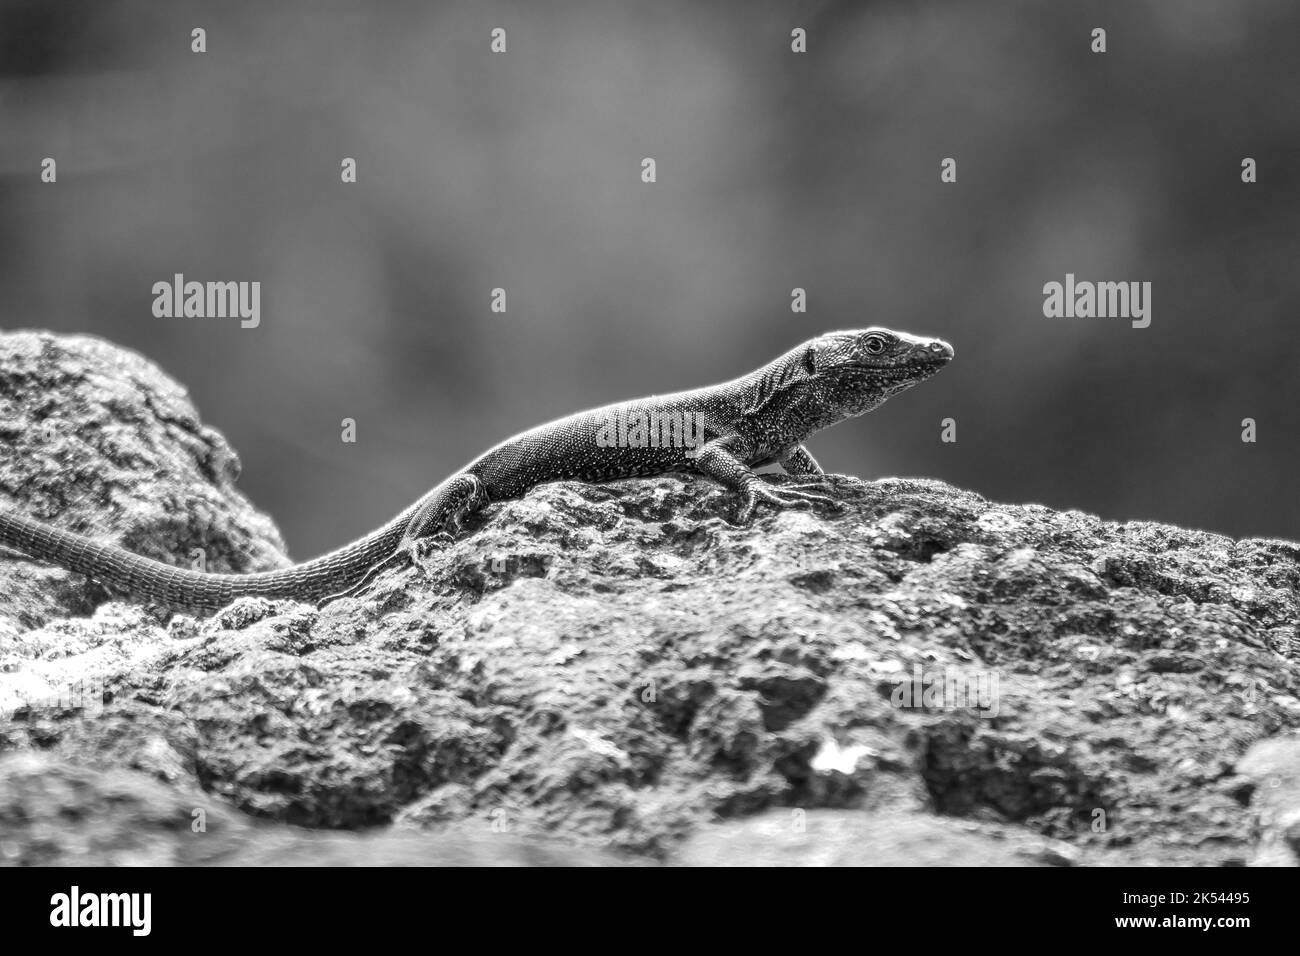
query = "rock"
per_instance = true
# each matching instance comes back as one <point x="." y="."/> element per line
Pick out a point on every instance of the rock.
<point x="1273" y="769"/>
<point x="858" y="838"/>
<point x="619" y="669"/>
<point x="97" y="440"/>
<point x="53" y="813"/>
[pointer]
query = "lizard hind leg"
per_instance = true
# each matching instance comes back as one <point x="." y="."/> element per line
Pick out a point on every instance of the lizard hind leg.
<point x="447" y="505"/>
<point x="445" y="508"/>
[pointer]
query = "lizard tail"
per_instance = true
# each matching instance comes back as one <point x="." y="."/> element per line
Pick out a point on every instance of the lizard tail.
<point x="130" y="573"/>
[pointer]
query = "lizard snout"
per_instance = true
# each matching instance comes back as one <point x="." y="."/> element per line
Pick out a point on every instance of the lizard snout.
<point x="934" y="352"/>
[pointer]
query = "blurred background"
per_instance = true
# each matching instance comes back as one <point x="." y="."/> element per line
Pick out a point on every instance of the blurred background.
<point x="775" y="170"/>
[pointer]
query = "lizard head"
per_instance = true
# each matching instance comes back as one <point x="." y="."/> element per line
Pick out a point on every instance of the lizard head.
<point x="855" y="371"/>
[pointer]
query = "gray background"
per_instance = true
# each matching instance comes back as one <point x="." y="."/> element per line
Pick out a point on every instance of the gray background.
<point x="775" y="170"/>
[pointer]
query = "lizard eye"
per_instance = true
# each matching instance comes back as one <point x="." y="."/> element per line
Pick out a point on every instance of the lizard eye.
<point x="875" y="344"/>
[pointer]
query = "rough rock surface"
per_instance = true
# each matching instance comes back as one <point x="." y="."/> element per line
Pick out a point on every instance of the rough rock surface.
<point x="96" y="439"/>
<point x="617" y="672"/>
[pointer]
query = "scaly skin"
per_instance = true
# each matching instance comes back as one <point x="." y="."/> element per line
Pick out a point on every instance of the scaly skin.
<point x="755" y="420"/>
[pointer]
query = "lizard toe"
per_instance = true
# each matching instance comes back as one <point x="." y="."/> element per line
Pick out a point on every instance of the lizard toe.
<point x="787" y="497"/>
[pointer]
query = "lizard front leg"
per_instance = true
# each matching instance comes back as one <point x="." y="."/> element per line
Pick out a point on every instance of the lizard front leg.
<point x="799" y="461"/>
<point x="720" y="463"/>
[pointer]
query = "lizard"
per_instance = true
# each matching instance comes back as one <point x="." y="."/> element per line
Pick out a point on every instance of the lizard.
<point x="758" y="419"/>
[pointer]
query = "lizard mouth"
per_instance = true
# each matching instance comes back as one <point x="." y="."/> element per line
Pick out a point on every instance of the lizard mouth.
<point x="922" y="368"/>
<point x="897" y="378"/>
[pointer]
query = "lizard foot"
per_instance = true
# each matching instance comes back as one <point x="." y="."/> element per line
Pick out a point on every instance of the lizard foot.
<point x="403" y="551"/>
<point x="779" y="498"/>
